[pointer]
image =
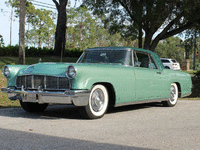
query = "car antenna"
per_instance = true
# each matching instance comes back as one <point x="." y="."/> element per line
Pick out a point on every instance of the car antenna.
<point x="40" y="60"/>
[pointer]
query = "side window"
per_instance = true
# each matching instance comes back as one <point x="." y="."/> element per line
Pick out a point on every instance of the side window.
<point x="141" y="60"/>
<point x="144" y="60"/>
<point x="153" y="64"/>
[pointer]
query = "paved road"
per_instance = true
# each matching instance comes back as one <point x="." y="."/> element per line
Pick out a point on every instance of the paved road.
<point x="148" y="126"/>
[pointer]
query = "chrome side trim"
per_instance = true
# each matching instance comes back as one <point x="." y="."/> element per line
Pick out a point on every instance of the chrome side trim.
<point x="76" y="97"/>
<point x="140" y="102"/>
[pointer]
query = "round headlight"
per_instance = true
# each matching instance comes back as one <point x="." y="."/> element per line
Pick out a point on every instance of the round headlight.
<point x="6" y="71"/>
<point x="71" y="71"/>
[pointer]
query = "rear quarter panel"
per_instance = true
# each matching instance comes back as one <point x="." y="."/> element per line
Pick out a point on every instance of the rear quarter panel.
<point x="182" y="79"/>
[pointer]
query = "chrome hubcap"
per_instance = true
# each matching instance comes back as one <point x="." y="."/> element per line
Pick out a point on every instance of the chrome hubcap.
<point x="97" y="100"/>
<point x="173" y="94"/>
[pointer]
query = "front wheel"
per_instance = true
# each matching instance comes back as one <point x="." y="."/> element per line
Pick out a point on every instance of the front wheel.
<point x="173" y="96"/>
<point x="98" y="102"/>
<point x="33" y="107"/>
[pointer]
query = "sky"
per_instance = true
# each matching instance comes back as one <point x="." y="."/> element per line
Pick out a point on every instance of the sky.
<point x="5" y="17"/>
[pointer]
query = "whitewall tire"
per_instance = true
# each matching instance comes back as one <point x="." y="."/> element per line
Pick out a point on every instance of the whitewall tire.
<point x="173" y="96"/>
<point x="98" y="102"/>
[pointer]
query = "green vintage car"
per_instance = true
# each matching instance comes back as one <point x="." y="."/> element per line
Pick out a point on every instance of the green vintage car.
<point x="102" y="77"/>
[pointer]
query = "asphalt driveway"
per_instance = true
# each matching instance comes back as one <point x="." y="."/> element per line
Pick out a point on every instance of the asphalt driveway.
<point x="146" y="126"/>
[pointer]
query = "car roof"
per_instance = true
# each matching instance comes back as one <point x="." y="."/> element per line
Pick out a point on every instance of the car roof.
<point x="118" y="48"/>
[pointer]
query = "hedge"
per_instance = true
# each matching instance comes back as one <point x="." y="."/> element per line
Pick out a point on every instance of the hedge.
<point x="37" y="52"/>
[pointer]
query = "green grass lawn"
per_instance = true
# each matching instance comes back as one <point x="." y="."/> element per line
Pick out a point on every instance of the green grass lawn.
<point x="191" y="71"/>
<point x="4" y="101"/>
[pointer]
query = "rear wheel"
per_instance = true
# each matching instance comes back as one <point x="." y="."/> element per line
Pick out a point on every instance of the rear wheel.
<point x="33" y="107"/>
<point x="98" y="102"/>
<point x="173" y="96"/>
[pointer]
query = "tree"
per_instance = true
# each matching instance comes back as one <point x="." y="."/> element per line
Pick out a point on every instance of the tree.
<point x="60" y="34"/>
<point x="21" y="7"/>
<point x="1" y="41"/>
<point x="84" y="30"/>
<point x="158" y="19"/>
<point x="22" y="33"/>
<point x="42" y="27"/>
<point x="40" y="22"/>
<point x="29" y="8"/>
<point x="171" y="48"/>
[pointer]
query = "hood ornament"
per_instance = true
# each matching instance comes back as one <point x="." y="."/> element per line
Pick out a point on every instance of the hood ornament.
<point x="40" y="60"/>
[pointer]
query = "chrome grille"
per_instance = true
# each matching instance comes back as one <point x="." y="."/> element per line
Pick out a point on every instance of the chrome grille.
<point x="38" y="81"/>
<point x="28" y="82"/>
<point x="52" y="82"/>
<point x="42" y="82"/>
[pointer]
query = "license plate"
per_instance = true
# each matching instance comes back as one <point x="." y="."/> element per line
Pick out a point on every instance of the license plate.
<point x="29" y="97"/>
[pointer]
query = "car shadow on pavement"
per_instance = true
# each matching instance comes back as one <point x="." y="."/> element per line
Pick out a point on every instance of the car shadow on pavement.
<point x="69" y="111"/>
<point x="134" y="107"/>
<point x="52" y="112"/>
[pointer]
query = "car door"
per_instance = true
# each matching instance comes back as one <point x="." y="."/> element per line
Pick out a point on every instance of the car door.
<point x="150" y="81"/>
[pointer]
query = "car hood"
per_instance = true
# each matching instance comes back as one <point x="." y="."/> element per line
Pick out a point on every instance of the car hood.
<point x="53" y="69"/>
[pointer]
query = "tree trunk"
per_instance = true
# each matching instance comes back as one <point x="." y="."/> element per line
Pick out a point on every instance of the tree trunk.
<point x="148" y="38"/>
<point x="49" y="41"/>
<point x="11" y="20"/>
<point x="22" y="33"/>
<point x="60" y="34"/>
<point x="140" y="38"/>
<point x="155" y="43"/>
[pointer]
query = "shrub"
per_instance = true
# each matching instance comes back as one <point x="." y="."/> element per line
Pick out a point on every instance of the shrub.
<point x="74" y="52"/>
<point x="9" y="50"/>
<point x="37" y="52"/>
<point x="197" y="74"/>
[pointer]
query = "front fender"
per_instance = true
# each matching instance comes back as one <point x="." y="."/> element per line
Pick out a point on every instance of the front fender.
<point x="14" y="69"/>
<point x="120" y="77"/>
<point x="87" y="83"/>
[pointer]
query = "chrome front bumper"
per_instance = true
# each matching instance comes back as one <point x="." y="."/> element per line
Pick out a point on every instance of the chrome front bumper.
<point x="76" y="97"/>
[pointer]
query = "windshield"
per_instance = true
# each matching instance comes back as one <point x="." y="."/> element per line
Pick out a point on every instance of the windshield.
<point x="122" y="57"/>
